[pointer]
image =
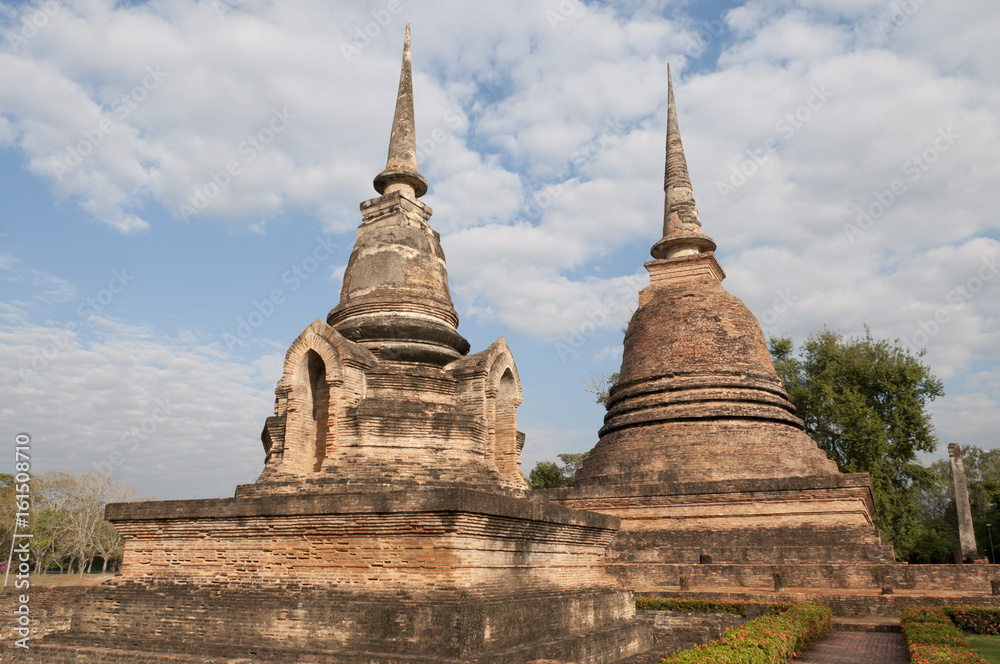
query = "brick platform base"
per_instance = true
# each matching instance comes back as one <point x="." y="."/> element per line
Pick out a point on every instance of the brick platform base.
<point x="854" y="604"/>
<point x="811" y="535"/>
<point x="415" y="575"/>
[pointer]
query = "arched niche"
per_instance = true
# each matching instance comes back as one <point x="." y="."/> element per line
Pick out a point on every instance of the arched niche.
<point x="506" y="419"/>
<point x="307" y="434"/>
<point x="504" y="393"/>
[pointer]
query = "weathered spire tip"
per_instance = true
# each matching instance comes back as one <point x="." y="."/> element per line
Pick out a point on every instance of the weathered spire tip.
<point x="681" y="228"/>
<point x="671" y="109"/>
<point x="400" y="173"/>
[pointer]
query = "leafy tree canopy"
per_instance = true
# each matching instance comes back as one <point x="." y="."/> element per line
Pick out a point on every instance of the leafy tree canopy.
<point x="864" y="401"/>
<point x="550" y="475"/>
<point x="546" y="475"/>
<point x="937" y="502"/>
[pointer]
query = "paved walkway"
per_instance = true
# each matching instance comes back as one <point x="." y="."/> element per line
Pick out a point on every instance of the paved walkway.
<point x="857" y="648"/>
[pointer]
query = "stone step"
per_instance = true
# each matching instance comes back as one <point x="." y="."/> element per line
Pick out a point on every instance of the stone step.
<point x="791" y="536"/>
<point x="866" y="625"/>
<point x="853" y="604"/>
<point x="894" y="577"/>
<point x="779" y="554"/>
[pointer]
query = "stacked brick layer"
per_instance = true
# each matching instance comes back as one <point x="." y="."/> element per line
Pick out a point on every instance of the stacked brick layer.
<point x="414" y="574"/>
<point x="404" y="539"/>
<point x="800" y="534"/>
<point x="328" y="626"/>
<point x="854" y="603"/>
<point x="704" y="461"/>
<point x="735" y="533"/>
<point x="697" y="398"/>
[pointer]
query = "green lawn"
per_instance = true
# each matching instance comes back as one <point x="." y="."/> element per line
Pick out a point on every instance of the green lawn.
<point x="988" y="647"/>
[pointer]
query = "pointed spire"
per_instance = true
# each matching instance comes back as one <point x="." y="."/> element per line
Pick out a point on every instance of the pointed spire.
<point x="681" y="228"/>
<point x="400" y="171"/>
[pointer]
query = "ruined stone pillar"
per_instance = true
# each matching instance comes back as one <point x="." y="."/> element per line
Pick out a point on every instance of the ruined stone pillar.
<point x="966" y="534"/>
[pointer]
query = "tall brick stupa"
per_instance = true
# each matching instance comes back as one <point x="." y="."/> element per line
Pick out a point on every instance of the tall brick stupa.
<point x="702" y="456"/>
<point x="390" y="523"/>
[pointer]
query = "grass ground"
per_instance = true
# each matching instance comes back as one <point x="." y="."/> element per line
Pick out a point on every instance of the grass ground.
<point x="68" y="579"/>
<point x="988" y="647"/>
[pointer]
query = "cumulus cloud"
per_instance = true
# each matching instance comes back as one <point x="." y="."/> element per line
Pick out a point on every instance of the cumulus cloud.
<point x="842" y="154"/>
<point x="177" y="419"/>
<point x="176" y="416"/>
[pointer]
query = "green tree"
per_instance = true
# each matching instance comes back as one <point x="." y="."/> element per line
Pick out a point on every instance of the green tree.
<point x="546" y="475"/>
<point x="982" y="474"/>
<point x="572" y="463"/>
<point x="864" y="401"/>
<point x="550" y="475"/>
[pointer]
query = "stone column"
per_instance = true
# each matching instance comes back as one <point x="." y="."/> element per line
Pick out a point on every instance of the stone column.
<point x="966" y="533"/>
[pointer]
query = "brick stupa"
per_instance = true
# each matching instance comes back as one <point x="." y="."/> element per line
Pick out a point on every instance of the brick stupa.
<point x="389" y="524"/>
<point x="701" y="455"/>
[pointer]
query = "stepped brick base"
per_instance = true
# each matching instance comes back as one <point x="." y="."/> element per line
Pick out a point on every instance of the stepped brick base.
<point x="415" y="575"/>
<point x="845" y="576"/>
<point x="850" y="604"/>
<point x="152" y="622"/>
<point x="811" y="533"/>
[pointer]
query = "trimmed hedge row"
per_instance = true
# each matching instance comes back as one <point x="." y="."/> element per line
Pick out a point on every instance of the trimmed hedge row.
<point x="736" y="607"/>
<point x="772" y="639"/>
<point x="932" y="638"/>
<point x="976" y="619"/>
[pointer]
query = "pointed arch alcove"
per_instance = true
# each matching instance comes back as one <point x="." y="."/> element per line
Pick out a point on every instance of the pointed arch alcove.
<point x="308" y="424"/>
<point x="508" y="452"/>
<point x="503" y="393"/>
<point x="323" y="374"/>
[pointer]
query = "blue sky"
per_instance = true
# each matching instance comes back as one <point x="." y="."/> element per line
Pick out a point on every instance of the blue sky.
<point x="843" y="156"/>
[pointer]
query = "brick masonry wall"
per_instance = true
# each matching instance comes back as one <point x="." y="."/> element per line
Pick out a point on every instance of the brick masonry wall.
<point x="697" y="396"/>
<point x="421" y="572"/>
<point x="371" y="420"/>
<point x="930" y="579"/>
<point x="417" y="540"/>
<point x="330" y="626"/>
<point x="795" y="533"/>
<point x="50" y="607"/>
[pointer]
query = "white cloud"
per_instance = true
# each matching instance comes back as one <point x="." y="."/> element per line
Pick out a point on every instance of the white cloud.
<point x="173" y="415"/>
<point x="531" y="193"/>
<point x="609" y="353"/>
<point x="6" y="132"/>
<point x="967" y="419"/>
